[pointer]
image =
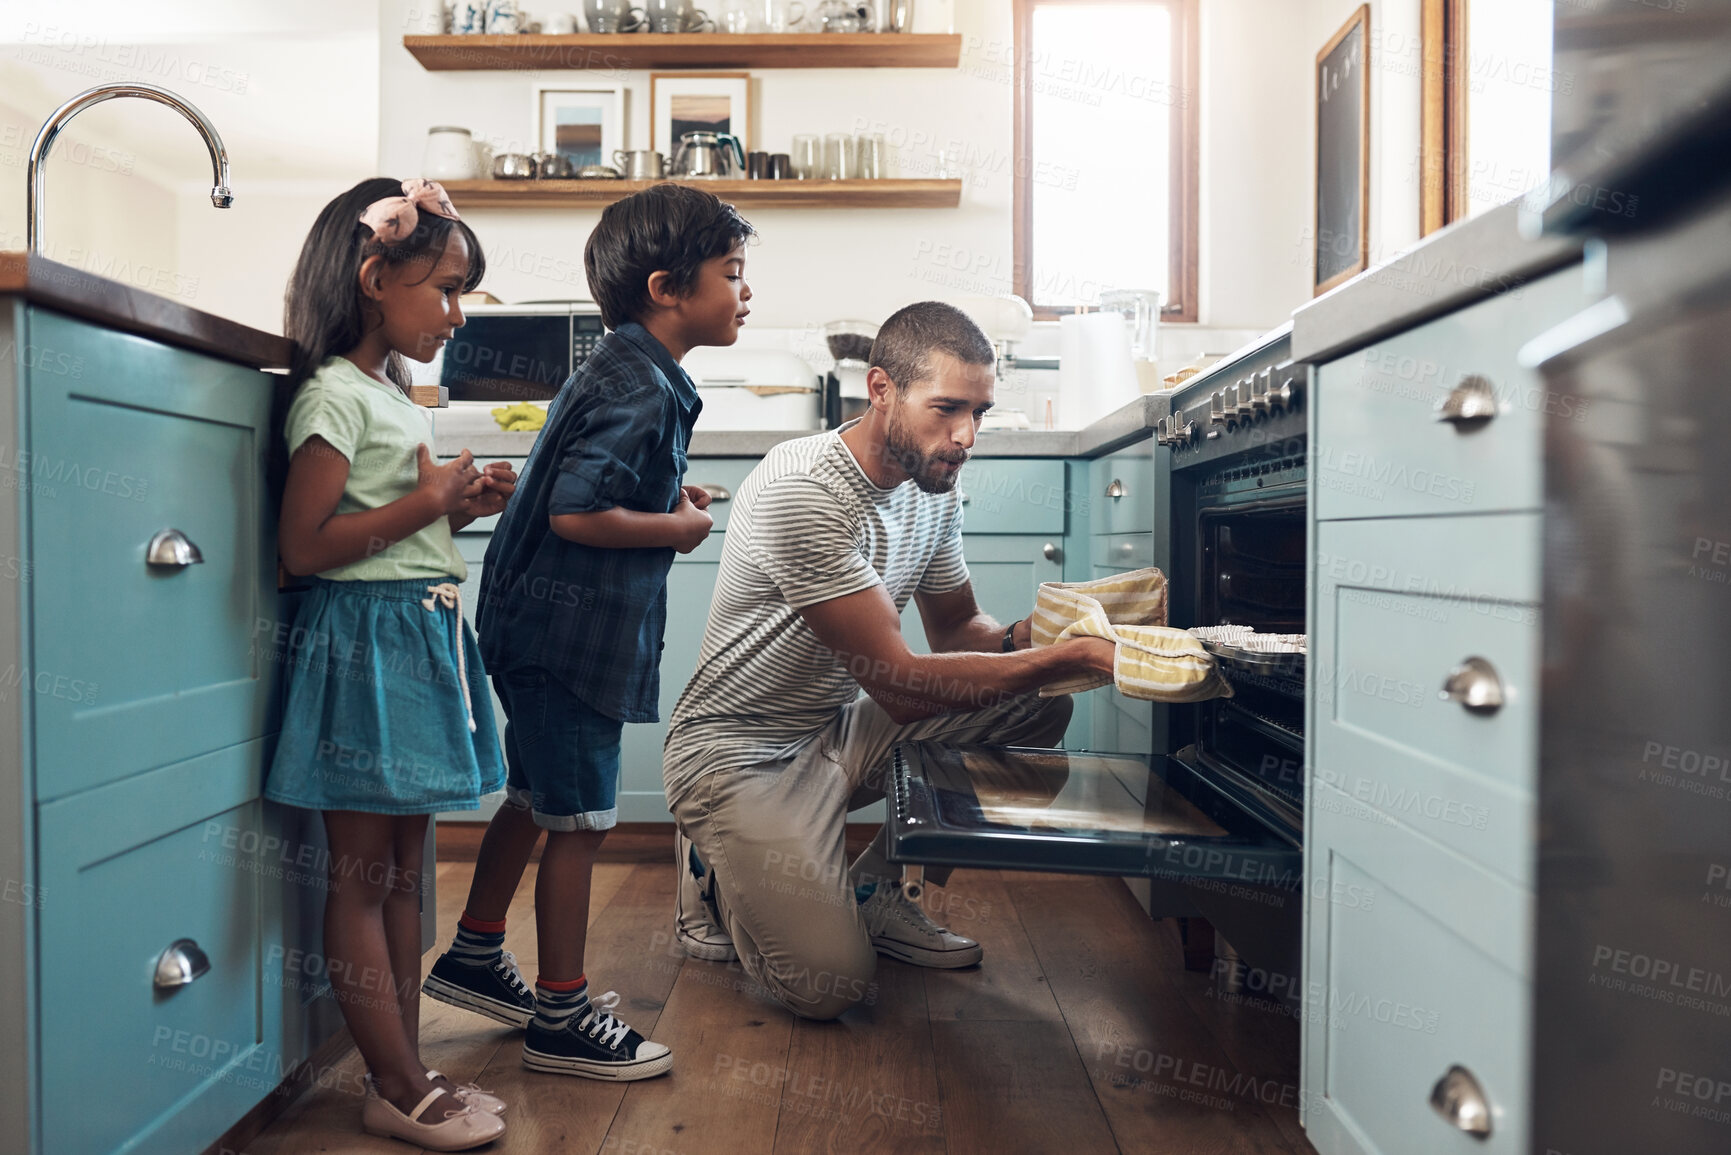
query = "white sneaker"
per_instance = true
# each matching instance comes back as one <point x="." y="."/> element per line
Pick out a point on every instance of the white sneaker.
<point x="900" y="928"/>
<point x="693" y="926"/>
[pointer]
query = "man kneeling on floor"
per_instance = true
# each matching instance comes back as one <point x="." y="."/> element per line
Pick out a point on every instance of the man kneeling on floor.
<point x="772" y="744"/>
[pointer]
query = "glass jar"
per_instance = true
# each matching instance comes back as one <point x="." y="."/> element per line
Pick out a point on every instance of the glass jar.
<point x="450" y="154"/>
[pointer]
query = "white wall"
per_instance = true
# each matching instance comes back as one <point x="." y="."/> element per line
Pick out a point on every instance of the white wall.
<point x="291" y="89"/>
<point x="813" y="266"/>
<point x="330" y="96"/>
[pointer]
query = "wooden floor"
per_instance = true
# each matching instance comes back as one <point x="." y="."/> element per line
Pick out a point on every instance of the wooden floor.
<point x="1080" y="1033"/>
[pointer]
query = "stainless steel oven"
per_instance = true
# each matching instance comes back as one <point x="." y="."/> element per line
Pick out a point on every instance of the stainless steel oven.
<point x="1235" y="555"/>
<point x="1215" y="810"/>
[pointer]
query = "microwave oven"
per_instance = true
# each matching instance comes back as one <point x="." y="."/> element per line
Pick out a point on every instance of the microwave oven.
<point x="508" y="353"/>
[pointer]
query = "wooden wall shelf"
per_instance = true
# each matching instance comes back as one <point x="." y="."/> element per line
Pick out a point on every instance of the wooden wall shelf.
<point x="693" y="50"/>
<point x="809" y="194"/>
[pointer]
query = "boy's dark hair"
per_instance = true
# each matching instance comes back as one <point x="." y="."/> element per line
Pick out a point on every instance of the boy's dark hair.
<point x="323" y="314"/>
<point x="907" y="340"/>
<point x="672" y="227"/>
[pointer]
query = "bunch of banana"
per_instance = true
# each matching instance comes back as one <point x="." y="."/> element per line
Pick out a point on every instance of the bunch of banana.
<point x="520" y="418"/>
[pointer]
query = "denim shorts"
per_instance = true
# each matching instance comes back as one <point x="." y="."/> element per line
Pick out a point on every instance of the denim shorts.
<point x="561" y="755"/>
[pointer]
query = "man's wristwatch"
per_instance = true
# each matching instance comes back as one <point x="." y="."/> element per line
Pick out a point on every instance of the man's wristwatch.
<point x="1010" y="635"/>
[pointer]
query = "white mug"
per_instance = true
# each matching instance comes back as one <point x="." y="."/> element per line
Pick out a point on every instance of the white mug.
<point x="559" y="24"/>
<point x="503" y="18"/>
<point x="468" y="17"/>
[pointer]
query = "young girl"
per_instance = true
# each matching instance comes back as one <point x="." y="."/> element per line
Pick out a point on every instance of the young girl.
<point x="387" y="718"/>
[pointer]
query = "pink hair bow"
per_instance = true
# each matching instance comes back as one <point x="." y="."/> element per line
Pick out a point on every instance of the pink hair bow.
<point x="394" y="218"/>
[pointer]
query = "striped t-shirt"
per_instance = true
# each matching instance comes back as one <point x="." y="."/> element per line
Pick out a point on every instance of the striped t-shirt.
<point x="807" y="526"/>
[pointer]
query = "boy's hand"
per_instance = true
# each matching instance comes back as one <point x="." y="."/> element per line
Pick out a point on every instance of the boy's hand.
<point x="692" y="525"/>
<point x="699" y="496"/>
<point x="452" y="484"/>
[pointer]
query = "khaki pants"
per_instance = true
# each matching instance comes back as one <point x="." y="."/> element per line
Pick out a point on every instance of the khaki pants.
<point x="772" y="837"/>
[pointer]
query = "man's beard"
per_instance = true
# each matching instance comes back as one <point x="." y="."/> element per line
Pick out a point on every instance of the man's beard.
<point x="919" y="465"/>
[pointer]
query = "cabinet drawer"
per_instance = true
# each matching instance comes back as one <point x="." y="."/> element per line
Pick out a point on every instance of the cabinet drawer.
<point x="1396" y="1000"/>
<point x="1012" y="495"/>
<point x="139" y="665"/>
<point x="1119" y="552"/>
<point x="1128" y="473"/>
<point x="1435" y="595"/>
<point x="127" y="871"/>
<point x="1381" y="449"/>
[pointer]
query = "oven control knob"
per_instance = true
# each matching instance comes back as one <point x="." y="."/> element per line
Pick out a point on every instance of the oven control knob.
<point x="1290" y="395"/>
<point x="1261" y="392"/>
<point x="1217" y="412"/>
<point x="1189" y="434"/>
<point x="1243" y="406"/>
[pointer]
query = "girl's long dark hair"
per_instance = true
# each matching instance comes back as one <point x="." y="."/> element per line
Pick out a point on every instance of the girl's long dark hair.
<point x="323" y="312"/>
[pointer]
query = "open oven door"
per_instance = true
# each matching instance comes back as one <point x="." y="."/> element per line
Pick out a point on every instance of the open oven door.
<point x="1012" y="807"/>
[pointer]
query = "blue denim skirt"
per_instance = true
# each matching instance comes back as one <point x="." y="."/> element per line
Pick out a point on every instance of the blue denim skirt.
<point x="376" y="717"/>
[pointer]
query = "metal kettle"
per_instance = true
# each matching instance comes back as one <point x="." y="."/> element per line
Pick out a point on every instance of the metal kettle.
<point x="711" y="155"/>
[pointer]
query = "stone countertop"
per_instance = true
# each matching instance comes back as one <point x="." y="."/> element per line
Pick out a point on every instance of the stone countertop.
<point x="1128" y="424"/>
<point x="115" y="305"/>
<point x="1453" y="267"/>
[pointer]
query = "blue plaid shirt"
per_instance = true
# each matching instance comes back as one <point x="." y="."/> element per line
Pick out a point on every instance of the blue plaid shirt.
<point x="616" y="435"/>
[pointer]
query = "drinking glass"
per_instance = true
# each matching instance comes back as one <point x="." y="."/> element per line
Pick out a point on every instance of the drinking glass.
<point x="873" y="157"/>
<point x="736" y="16"/>
<point x="840" y="161"/>
<point x="806" y="157"/>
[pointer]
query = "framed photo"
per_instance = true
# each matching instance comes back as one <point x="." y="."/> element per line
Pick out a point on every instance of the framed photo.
<point x="1342" y="242"/>
<point x="682" y="102"/>
<point x="584" y="123"/>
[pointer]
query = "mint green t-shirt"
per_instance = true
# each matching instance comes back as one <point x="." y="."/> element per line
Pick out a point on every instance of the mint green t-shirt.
<point x="377" y="428"/>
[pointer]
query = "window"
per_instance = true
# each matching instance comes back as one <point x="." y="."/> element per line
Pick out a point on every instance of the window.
<point x="1106" y="152"/>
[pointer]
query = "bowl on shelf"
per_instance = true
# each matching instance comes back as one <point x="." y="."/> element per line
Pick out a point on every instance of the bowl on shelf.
<point x="513" y="166"/>
<point x="598" y="172"/>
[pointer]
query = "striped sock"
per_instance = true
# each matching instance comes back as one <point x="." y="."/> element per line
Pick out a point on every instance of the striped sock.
<point x="557" y="1002"/>
<point x="477" y="943"/>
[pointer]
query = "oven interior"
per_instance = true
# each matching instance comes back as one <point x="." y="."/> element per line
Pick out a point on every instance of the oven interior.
<point x="1250" y="558"/>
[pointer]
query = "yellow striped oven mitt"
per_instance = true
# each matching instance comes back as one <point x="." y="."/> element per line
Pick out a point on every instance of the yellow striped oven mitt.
<point x="1154" y="661"/>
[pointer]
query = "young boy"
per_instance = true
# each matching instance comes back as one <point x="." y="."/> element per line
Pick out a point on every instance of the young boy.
<point x="571" y="612"/>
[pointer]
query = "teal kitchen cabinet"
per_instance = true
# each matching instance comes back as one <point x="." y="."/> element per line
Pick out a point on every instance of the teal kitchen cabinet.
<point x="146" y="663"/>
<point x="1120" y="724"/>
<point x="1006" y="570"/>
<point x="690" y="588"/>
<point x="1423" y="716"/>
<point x="165" y="857"/>
<point x="136" y="723"/>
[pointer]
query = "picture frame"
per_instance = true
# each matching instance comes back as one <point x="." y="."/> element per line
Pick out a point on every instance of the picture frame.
<point x="583" y="122"/>
<point x="696" y="101"/>
<point x="1341" y="242"/>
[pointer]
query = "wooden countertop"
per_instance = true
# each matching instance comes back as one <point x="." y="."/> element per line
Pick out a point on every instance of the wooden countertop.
<point x="119" y="306"/>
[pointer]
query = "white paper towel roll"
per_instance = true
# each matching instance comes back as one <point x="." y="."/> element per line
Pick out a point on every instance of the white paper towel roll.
<point x="1095" y="372"/>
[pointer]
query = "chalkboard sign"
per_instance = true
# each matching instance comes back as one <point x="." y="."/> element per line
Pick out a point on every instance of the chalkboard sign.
<point x="1343" y="153"/>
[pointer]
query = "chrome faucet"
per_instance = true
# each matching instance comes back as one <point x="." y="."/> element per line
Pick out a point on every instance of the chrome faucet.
<point x="220" y="196"/>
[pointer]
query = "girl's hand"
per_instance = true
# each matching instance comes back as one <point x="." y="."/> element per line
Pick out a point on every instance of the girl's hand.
<point x="452" y="484"/>
<point x="699" y="496"/>
<point x="498" y="483"/>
